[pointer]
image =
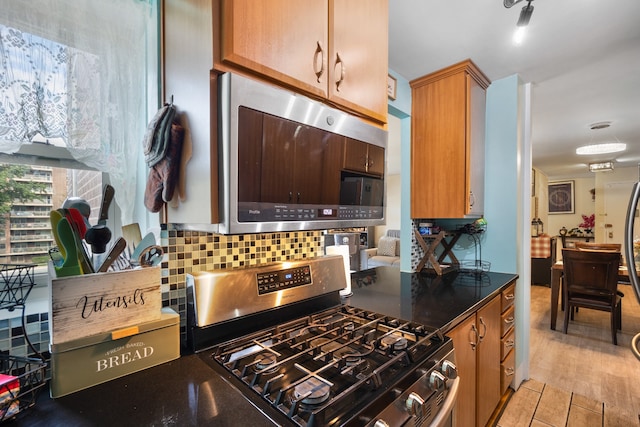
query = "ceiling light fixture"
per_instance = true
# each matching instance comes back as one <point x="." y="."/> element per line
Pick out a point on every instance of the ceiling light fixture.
<point x="600" y="167"/>
<point x="603" y="148"/>
<point x="525" y="13"/>
<point x="606" y="148"/>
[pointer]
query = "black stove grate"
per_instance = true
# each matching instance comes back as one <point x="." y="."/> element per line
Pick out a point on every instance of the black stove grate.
<point x="323" y="369"/>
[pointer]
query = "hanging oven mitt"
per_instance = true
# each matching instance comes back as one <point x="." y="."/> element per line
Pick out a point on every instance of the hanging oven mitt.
<point x="163" y="176"/>
<point x="158" y="135"/>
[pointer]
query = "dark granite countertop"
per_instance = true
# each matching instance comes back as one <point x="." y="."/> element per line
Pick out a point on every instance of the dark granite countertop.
<point x="186" y="392"/>
<point x="428" y="299"/>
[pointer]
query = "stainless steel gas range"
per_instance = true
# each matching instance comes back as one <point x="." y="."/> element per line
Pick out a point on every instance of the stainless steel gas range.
<point x="281" y="337"/>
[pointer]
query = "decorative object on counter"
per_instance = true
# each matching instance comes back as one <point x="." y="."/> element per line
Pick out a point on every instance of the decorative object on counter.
<point x="561" y="197"/>
<point x="437" y="265"/>
<point x="563" y="231"/>
<point x="473" y="231"/>
<point x="163" y="149"/>
<point x="588" y="222"/>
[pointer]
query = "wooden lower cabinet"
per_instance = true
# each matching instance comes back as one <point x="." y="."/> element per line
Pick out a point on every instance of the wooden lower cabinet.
<point x="479" y="344"/>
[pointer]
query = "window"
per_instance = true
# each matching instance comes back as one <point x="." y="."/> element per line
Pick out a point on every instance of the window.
<point x="76" y="77"/>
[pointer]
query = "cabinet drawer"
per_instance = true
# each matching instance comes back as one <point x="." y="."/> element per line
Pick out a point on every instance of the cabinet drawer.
<point x="508" y="297"/>
<point x="508" y="342"/>
<point x="508" y="320"/>
<point x="507" y="369"/>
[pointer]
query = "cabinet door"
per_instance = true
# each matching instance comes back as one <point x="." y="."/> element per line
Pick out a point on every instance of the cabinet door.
<point x="465" y="340"/>
<point x="438" y="149"/>
<point x="358" y="36"/>
<point x="475" y="146"/>
<point x="285" y="40"/>
<point x="489" y="374"/>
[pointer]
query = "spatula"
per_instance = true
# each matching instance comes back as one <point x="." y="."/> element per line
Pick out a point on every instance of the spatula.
<point x="70" y="267"/>
<point x="55" y="217"/>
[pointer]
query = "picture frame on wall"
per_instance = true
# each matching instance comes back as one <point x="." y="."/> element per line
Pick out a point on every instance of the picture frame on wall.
<point x="562" y="197"/>
<point x="392" y="84"/>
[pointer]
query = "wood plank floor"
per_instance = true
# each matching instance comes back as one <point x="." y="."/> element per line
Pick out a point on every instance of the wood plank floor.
<point x="581" y="378"/>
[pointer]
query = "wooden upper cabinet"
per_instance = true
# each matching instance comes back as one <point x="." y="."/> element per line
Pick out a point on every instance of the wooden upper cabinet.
<point x="335" y="51"/>
<point x="447" y="143"/>
<point x="281" y="39"/>
<point x="358" y="62"/>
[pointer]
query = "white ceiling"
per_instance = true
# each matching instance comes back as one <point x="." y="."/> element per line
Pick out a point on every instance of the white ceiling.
<point x="581" y="56"/>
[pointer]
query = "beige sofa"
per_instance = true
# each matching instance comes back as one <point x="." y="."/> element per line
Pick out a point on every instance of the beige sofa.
<point x="387" y="254"/>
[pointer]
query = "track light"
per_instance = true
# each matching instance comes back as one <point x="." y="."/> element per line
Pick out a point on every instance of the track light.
<point x="525" y="15"/>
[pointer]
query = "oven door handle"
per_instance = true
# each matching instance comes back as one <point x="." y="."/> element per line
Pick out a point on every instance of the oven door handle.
<point x="445" y="414"/>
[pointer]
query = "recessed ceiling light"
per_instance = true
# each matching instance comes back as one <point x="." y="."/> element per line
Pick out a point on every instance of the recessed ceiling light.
<point x="609" y="147"/>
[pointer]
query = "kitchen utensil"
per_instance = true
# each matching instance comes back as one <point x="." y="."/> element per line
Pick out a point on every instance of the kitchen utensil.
<point x="131" y="233"/>
<point x="55" y="217"/>
<point x="79" y="203"/>
<point x="99" y="235"/>
<point x="113" y="254"/>
<point x="77" y="221"/>
<point x="151" y="256"/>
<point x="70" y="267"/>
<point x="83" y="257"/>
<point x="147" y="241"/>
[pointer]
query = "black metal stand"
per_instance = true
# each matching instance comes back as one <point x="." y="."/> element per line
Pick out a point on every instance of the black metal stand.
<point x="16" y="282"/>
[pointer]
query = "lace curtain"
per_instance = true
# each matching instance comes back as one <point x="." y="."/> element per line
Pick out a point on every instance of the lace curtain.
<point x="74" y="73"/>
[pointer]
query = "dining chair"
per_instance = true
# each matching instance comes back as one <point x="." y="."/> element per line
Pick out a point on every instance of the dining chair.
<point x="591" y="281"/>
<point x="592" y="246"/>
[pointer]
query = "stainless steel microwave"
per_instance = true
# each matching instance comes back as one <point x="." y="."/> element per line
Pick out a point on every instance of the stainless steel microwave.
<point x="283" y="162"/>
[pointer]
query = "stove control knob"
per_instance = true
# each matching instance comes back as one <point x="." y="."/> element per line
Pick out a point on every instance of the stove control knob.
<point x="415" y="403"/>
<point x="436" y="381"/>
<point x="449" y="370"/>
<point x="381" y="423"/>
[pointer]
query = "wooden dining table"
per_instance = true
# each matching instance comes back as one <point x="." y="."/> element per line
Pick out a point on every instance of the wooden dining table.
<point x="556" y="278"/>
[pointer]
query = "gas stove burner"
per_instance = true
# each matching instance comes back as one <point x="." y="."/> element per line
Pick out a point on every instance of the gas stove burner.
<point x="266" y="362"/>
<point x="397" y="341"/>
<point x="349" y="326"/>
<point x="317" y="390"/>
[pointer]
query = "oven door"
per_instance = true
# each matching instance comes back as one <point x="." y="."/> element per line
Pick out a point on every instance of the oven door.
<point x="445" y="416"/>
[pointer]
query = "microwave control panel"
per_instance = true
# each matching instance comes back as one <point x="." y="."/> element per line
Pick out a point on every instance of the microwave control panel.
<point x="274" y="281"/>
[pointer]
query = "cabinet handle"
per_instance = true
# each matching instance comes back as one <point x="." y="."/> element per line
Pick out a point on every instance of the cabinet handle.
<point x="509" y="320"/>
<point x="509" y="297"/>
<point x="474" y="334"/>
<point x="485" y="329"/>
<point x="290" y="196"/>
<point x="509" y="343"/>
<point x="509" y="371"/>
<point x="318" y="58"/>
<point x="472" y="199"/>
<point x="342" y="71"/>
<point x="298" y="197"/>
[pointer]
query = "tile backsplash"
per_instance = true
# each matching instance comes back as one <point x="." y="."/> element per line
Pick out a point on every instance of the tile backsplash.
<point x="190" y="251"/>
